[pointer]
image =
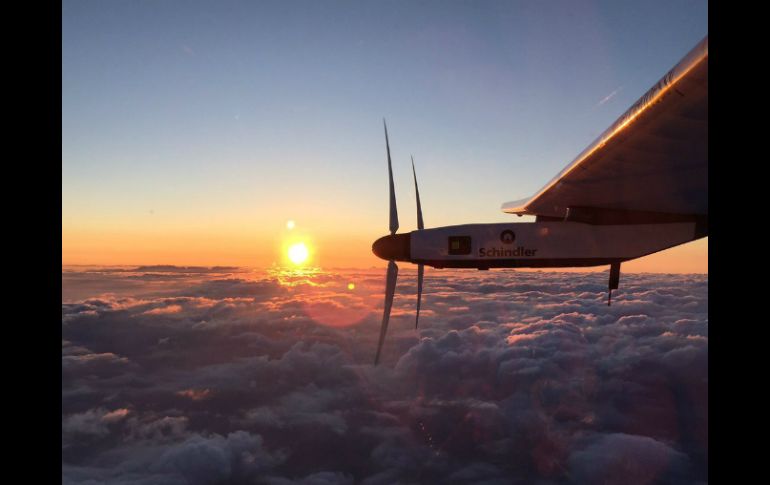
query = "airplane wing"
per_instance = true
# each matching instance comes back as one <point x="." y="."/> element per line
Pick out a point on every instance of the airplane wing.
<point x="651" y="165"/>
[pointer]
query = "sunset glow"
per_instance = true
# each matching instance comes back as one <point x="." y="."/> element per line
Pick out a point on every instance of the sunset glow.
<point x="229" y="247"/>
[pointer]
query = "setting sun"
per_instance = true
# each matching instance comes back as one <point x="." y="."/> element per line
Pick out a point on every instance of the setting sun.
<point x="298" y="253"/>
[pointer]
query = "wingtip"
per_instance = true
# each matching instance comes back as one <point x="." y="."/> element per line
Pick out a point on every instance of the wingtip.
<point x="518" y="207"/>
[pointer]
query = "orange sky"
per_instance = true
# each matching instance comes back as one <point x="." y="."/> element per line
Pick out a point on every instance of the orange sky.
<point x="246" y="246"/>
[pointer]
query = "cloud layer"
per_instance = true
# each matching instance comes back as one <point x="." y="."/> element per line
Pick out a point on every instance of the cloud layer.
<point x="221" y="375"/>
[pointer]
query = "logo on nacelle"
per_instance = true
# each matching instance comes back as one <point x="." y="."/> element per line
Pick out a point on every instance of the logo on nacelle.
<point x="507" y="237"/>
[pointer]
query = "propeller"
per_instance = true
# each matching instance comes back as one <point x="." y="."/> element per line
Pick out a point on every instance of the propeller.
<point x="393" y="208"/>
<point x="420" y="226"/>
<point x="392" y="276"/>
<point x="390" y="289"/>
<point x="384" y="248"/>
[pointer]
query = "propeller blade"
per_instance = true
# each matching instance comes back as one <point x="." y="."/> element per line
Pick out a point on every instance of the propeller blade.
<point x="393" y="208"/>
<point x="420" y="272"/>
<point x="390" y="289"/>
<point x="420" y="224"/>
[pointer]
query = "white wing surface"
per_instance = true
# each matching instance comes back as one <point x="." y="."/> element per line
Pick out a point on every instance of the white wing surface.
<point x="651" y="165"/>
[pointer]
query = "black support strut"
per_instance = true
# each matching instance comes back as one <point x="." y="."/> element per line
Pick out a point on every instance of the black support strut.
<point x="614" y="280"/>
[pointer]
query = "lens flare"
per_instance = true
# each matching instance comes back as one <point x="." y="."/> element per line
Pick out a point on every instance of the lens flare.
<point x="298" y="253"/>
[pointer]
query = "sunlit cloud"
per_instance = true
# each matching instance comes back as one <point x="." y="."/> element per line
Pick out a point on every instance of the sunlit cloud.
<point x="164" y="310"/>
<point x="195" y="394"/>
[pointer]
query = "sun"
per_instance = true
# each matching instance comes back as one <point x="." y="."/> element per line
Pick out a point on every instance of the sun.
<point x="298" y="253"/>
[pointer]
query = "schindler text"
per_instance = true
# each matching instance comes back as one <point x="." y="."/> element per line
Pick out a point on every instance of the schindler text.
<point x="506" y="252"/>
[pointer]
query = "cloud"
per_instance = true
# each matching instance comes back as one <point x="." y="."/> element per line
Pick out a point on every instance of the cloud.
<point x="195" y="394"/>
<point x="156" y="429"/>
<point x="116" y="415"/>
<point x="92" y="422"/>
<point x="237" y="457"/>
<point x="164" y="310"/>
<point x="239" y="377"/>
<point x="619" y="458"/>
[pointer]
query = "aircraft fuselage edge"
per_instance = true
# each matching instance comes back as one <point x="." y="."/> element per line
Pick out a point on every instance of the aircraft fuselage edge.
<point x="546" y="244"/>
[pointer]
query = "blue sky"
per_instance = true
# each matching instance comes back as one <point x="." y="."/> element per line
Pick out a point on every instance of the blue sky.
<point x="193" y="116"/>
